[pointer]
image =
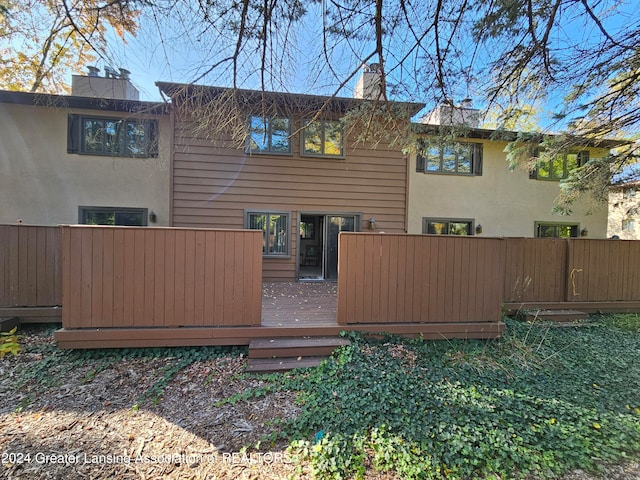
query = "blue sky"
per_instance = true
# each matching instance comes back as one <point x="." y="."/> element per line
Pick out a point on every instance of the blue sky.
<point x="159" y="53"/>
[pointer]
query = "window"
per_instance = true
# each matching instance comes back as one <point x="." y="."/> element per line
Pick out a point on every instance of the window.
<point x="561" y="166"/>
<point x="269" y="135"/>
<point x="455" y="159"/>
<point x="628" y="224"/>
<point x="116" y="137"/>
<point x="556" y="230"/>
<point x="447" y="226"/>
<point x="275" y="231"/>
<point x="629" y="192"/>
<point x="323" y="138"/>
<point x="113" y="216"/>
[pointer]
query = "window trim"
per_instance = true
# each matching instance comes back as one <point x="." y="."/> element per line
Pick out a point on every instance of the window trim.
<point x="248" y="149"/>
<point x="83" y="210"/>
<point x="575" y="226"/>
<point x="583" y="156"/>
<point x="268" y="213"/>
<point x="323" y="122"/>
<point x="76" y="135"/>
<point x="427" y="220"/>
<point x="477" y="154"/>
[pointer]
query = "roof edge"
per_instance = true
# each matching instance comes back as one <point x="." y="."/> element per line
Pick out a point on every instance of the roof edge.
<point x="285" y="98"/>
<point x="91" y="103"/>
<point x="511" y="136"/>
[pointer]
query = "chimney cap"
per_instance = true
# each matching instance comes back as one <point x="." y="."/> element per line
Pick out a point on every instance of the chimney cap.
<point x="93" y="70"/>
<point x="372" y="68"/>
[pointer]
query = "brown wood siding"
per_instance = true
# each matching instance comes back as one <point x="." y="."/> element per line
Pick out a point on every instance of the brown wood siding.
<point x="30" y="266"/>
<point x="603" y="270"/>
<point x="160" y="277"/>
<point x="213" y="186"/>
<point x="419" y="278"/>
<point x="536" y="269"/>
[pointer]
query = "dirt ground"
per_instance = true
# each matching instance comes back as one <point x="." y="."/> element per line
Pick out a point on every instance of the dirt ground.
<point x="93" y="425"/>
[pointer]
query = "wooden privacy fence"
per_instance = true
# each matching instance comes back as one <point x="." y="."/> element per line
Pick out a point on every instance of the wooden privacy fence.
<point x="397" y="278"/>
<point x="160" y="277"/>
<point x="571" y="270"/>
<point x="603" y="271"/>
<point x="423" y="278"/>
<point x="30" y="266"/>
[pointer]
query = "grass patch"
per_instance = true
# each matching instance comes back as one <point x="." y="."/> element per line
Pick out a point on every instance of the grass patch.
<point x="540" y="401"/>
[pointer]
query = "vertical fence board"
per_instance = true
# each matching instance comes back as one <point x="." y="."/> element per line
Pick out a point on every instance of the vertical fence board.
<point x="189" y="277"/>
<point x="219" y="307"/>
<point x="86" y="260"/>
<point x="118" y="319"/>
<point x="150" y="277"/>
<point x="108" y="285"/>
<point x="199" y="278"/>
<point x="96" y="276"/>
<point x="209" y="277"/>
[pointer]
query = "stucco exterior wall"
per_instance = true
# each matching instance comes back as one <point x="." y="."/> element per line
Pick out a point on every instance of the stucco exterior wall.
<point x="40" y="183"/>
<point x="504" y="202"/>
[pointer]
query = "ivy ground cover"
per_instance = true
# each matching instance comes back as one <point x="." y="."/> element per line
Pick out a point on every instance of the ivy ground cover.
<point x="537" y="403"/>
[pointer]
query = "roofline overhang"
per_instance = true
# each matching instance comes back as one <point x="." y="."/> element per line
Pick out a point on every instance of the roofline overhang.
<point x="283" y="100"/>
<point x="511" y="136"/>
<point x="89" y="103"/>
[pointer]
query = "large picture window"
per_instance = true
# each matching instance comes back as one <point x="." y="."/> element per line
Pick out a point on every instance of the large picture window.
<point x="455" y="159"/>
<point x="560" y="166"/>
<point x="447" y="226"/>
<point x="275" y="231"/>
<point x="269" y="135"/>
<point x="116" y="137"/>
<point x="113" y="216"/>
<point x="323" y="138"/>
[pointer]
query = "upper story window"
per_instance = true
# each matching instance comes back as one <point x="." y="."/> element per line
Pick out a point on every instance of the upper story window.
<point x="447" y="226"/>
<point x="556" y="230"/>
<point x="275" y="231"/>
<point x="560" y="166"/>
<point x="269" y="135"/>
<point x="116" y="137"/>
<point x="323" y="138"/>
<point x="455" y="159"/>
<point x="629" y="192"/>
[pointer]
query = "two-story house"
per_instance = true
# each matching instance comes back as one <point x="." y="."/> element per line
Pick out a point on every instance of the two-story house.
<point x="97" y="156"/>
<point x="282" y="163"/>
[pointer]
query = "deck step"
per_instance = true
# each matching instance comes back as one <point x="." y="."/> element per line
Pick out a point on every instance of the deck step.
<point x="266" y="365"/>
<point x="295" y="347"/>
<point x="556" y="315"/>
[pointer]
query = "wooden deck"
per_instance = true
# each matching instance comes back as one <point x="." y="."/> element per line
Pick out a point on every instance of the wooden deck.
<point x="304" y="304"/>
<point x="289" y="309"/>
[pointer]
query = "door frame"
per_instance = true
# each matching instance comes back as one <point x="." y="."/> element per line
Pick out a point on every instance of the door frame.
<point x="323" y="254"/>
